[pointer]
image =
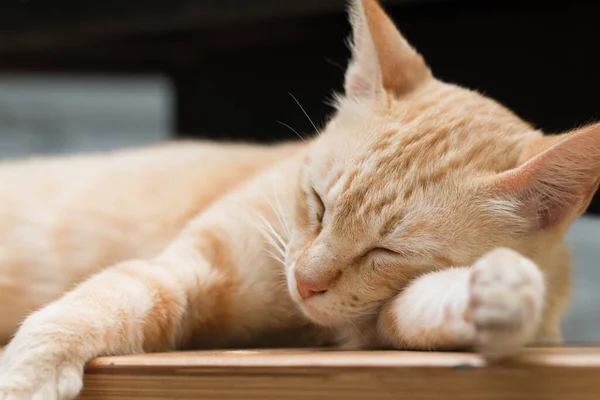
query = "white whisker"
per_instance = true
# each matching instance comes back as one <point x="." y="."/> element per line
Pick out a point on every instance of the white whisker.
<point x="273" y="243"/>
<point x="280" y="215"/>
<point x="279" y="219"/>
<point x="304" y="111"/>
<point x="272" y="238"/>
<point x="275" y="256"/>
<point x="292" y="129"/>
<point x="273" y="232"/>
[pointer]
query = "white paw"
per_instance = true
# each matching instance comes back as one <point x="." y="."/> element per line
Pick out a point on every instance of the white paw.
<point x="34" y="368"/>
<point x="506" y="300"/>
<point x="41" y="382"/>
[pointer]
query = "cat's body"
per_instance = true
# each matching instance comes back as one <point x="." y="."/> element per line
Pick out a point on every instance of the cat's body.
<point x="389" y="229"/>
<point x="63" y="219"/>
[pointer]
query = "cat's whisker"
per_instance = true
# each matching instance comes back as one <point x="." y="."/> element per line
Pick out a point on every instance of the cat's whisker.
<point x="272" y="253"/>
<point x="274" y="245"/>
<point x="278" y="255"/>
<point x="293" y="312"/>
<point x="370" y="328"/>
<point x="335" y="64"/>
<point x="268" y="239"/>
<point x="274" y="234"/>
<point x="356" y="329"/>
<point x="275" y="256"/>
<point x="272" y="238"/>
<point x="270" y="232"/>
<point x="278" y="211"/>
<point x="304" y="111"/>
<point x="293" y="130"/>
<point x="282" y="282"/>
<point x="281" y="215"/>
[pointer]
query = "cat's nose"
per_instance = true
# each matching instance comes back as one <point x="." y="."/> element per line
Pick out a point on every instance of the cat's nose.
<point x="309" y="287"/>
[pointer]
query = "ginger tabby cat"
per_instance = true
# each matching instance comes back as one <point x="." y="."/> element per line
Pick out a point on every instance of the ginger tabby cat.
<point x="391" y="228"/>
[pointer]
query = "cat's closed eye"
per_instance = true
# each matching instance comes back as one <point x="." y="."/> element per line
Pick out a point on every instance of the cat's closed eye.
<point x="320" y="206"/>
<point x="395" y="256"/>
<point x="384" y="251"/>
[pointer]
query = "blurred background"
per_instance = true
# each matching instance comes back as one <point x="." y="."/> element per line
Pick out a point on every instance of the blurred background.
<point x="86" y="76"/>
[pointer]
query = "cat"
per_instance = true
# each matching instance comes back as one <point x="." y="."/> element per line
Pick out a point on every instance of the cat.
<point x="422" y="216"/>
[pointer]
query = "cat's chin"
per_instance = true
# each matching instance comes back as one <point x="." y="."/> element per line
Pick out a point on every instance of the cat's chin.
<point x="323" y="320"/>
<point x="320" y="317"/>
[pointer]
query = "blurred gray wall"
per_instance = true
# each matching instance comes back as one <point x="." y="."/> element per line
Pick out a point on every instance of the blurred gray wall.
<point x="62" y="114"/>
<point x="582" y="322"/>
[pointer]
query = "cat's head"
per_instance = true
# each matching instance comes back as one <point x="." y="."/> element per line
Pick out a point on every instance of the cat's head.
<point x="413" y="174"/>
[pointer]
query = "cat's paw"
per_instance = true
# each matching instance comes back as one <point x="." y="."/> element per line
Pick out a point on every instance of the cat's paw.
<point x="41" y="382"/>
<point x="506" y="301"/>
<point x="33" y="370"/>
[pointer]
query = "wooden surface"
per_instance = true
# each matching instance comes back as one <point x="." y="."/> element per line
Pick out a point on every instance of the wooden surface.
<point x="552" y="373"/>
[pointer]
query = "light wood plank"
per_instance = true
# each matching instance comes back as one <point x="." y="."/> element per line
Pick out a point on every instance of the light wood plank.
<point x="550" y="373"/>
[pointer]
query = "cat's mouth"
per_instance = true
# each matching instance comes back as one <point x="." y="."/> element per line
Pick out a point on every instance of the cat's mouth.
<point x="322" y="310"/>
<point x="318" y="307"/>
<point x="319" y="314"/>
<point x="313" y="307"/>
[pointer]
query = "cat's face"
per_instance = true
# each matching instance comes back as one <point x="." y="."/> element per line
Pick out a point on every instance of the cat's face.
<point x="387" y="193"/>
<point x="408" y="177"/>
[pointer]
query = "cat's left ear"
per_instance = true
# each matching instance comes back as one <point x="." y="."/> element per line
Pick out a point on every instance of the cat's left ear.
<point x="557" y="182"/>
<point x="382" y="60"/>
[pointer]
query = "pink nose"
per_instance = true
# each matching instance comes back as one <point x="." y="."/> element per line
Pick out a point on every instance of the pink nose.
<point x="310" y="287"/>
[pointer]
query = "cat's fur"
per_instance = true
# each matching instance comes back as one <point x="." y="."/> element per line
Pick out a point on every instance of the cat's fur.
<point x="394" y="225"/>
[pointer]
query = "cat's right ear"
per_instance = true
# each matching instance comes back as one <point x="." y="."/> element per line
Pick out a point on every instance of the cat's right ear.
<point x="558" y="179"/>
<point x="382" y="60"/>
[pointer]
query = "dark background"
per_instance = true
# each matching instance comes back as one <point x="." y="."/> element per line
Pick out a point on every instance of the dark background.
<point x="233" y="62"/>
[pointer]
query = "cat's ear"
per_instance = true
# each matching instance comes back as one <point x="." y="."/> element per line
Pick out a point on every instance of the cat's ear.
<point x="558" y="180"/>
<point x="382" y="60"/>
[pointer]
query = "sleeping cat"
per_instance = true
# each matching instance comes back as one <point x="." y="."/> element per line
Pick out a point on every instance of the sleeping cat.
<point x="423" y="216"/>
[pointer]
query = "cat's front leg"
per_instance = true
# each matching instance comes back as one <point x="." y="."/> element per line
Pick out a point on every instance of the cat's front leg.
<point x="130" y="308"/>
<point x="495" y="306"/>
